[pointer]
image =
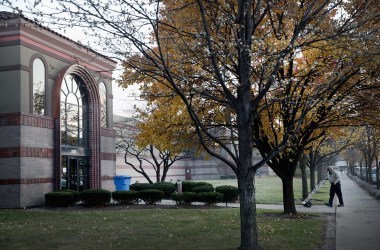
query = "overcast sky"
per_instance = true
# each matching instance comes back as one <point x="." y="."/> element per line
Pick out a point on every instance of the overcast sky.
<point x="124" y="100"/>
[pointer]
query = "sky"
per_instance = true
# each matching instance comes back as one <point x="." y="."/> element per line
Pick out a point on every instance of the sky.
<point x="124" y="100"/>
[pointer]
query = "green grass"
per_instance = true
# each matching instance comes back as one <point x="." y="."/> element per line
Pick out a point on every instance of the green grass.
<point x="269" y="190"/>
<point x="152" y="229"/>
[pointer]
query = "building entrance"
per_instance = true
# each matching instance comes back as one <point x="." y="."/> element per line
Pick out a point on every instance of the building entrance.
<point x="74" y="174"/>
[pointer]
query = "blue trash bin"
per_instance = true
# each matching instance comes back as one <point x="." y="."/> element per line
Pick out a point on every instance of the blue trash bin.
<point x="122" y="182"/>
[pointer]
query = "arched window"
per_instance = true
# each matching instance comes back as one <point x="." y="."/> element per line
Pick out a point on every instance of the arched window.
<point x="38" y="101"/>
<point x="103" y="104"/>
<point x="72" y="112"/>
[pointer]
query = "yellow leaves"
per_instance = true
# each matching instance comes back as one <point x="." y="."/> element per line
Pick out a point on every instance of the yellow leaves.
<point x="167" y="127"/>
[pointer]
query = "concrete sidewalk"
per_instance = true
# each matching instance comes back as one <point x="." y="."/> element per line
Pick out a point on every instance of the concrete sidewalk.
<point x="358" y="222"/>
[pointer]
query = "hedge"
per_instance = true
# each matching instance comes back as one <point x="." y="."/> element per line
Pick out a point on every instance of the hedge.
<point x="126" y="197"/>
<point x="59" y="199"/>
<point x="185" y="198"/>
<point x="141" y="186"/>
<point x="210" y="198"/>
<point x="151" y="196"/>
<point x="230" y="193"/>
<point x="95" y="197"/>
<point x="74" y="192"/>
<point x="202" y="189"/>
<point x="166" y="187"/>
<point x="188" y="186"/>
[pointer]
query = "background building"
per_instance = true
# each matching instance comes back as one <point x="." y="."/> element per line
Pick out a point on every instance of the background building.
<point x="185" y="169"/>
<point x="55" y="114"/>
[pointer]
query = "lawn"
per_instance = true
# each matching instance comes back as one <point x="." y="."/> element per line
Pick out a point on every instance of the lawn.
<point x="158" y="228"/>
<point x="269" y="190"/>
<point x="152" y="229"/>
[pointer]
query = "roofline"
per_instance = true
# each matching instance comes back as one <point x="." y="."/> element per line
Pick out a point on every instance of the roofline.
<point x="11" y="15"/>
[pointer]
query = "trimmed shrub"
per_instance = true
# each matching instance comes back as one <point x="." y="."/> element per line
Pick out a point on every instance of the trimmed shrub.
<point x="166" y="187"/>
<point x="151" y="196"/>
<point x="185" y="198"/>
<point x="59" y="199"/>
<point x="126" y="197"/>
<point x="141" y="186"/>
<point x="198" y="184"/>
<point x="210" y="198"/>
<point x="230" y="193"/>
<point x="203" y="189"/>
<point x="95" y="197"/>
<point x="75" y="194"/>
<point x="188" y="186"/>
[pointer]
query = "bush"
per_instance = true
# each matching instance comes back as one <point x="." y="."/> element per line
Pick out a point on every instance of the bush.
<point x="198" y="184"/>
<point x="210" y="198"/>
<point x="75" y="194"/>
<point x="125" y="197"/>
<point x="59" y="199"/>
<point x="185" y="198"/>
<point x="151" y="196"/>
<point x="203" y="189"/>
<point x="95" y="197"/>
<point x="166" y="187"/>
<point x="141" y="186"/>
<point x="188" y="186"/>
<point x="230" y="193"/>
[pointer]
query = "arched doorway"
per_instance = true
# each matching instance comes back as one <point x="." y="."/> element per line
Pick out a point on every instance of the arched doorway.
<point x="74" y="134"/>
<point x="77" y="130"/>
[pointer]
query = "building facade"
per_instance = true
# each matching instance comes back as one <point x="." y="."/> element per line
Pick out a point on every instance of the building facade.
<point x="56" y="125"/>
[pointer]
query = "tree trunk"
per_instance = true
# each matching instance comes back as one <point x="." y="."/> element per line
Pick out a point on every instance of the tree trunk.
<point x="312" y="165"/>
<point x="361" y="171"/>
<point x="288" y="196"/>
<point x="165" y="172"/>
<point x="320" y="169"/>
<point x="248" y="224"/>
<point x="312" y="177"/>
<point x="377" y="173"/>
<point x="305" y="191"/>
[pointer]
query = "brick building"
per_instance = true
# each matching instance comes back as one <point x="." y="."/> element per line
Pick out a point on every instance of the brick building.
<point x="56" y="128"/>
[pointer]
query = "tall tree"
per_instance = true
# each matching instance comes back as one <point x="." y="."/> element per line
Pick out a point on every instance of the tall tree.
<point x="228" y="57"/>
<point x="159" y="137"/>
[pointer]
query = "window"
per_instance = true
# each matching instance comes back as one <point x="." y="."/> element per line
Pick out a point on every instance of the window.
<point x="72" y="112"/>
<point x="38" y="87"/>
<point x="103" y="104"/>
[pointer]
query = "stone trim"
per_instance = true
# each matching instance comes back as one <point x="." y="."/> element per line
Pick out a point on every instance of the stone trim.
<point x="106" y="132"/>
<point x="14" y="67"/>
<point x="55" y="51"/>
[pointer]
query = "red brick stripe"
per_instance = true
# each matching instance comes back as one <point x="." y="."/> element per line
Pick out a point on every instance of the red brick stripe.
<point x="26" y="181"/>
<point x="106" y="178"/>
<point x="26" y="152"/>
<point x="12" y="119"/>
<point x="108" y="156"/>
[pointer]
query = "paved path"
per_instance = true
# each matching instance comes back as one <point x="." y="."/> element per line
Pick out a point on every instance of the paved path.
<point x="358" y="222"/>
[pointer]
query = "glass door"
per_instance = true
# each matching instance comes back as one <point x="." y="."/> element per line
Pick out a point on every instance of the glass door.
<point x="74" y="174"/>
